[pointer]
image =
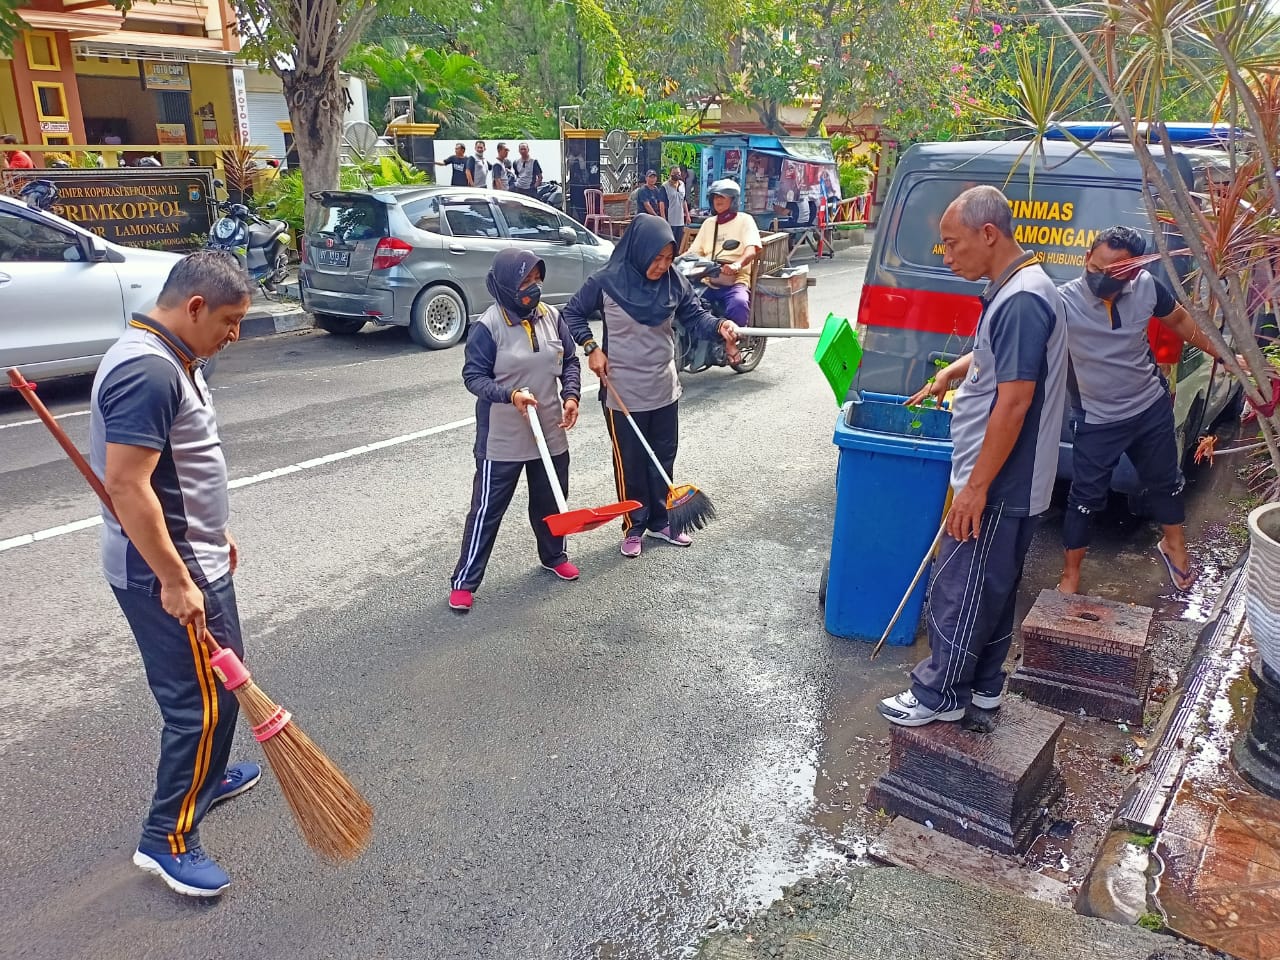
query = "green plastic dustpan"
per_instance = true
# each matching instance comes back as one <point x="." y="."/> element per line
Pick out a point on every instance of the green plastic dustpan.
<point x="838" y="354"/>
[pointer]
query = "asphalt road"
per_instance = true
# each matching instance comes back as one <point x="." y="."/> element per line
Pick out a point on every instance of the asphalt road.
<point x="587" y="770"/>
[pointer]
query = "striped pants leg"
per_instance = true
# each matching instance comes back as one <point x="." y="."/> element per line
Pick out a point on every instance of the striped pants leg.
<point x="971" y="610"/>
<point x="199" y="715"/>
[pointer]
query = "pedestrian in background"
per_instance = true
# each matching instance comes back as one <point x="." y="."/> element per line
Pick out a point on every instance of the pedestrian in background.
<point x="640" y="295"/>
<point x="14" y="159"/>
<point x="677" y="208"/>
<point x="459" y="162"/>
<point x="1005" y="426"/>
<point x="170" y="559"/>
<point x="479" y="171"/>
<point x="502" y="169"/>
<point x="653" y="198"/>
<point x="528" y="173"/>
<point x="520" y="362"/>
<point x="1122" y="400"/>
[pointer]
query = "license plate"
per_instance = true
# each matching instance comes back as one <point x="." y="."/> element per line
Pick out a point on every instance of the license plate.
<point x="334" y="258"/>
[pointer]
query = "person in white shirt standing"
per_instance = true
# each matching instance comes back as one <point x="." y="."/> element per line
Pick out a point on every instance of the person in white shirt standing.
<point x="479" y="173"/>
<point x="677" y="207"/>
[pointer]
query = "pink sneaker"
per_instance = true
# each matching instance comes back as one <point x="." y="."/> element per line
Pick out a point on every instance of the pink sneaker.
<point x="460" y="600"/>
<point x="632" y="546"/>
<point x="565" y="570"/>
<point x="679" y="540"/>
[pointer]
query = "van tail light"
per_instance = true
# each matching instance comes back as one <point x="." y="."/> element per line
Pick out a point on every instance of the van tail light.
<point x="1166" y="346"/>
<point x="389" y="252"/>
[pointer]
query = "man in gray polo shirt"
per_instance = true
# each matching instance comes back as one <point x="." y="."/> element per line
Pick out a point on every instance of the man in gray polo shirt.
<point x="153" y="440"/>
<point x="1122" y="399"/>
<point x="1004" y="430"/>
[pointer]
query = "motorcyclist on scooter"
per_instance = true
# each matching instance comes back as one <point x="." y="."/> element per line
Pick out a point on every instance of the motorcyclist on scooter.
<point x="732" y="288"/>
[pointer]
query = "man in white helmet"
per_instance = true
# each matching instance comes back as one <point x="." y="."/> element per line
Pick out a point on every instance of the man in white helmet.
<point x="732" y="288"/>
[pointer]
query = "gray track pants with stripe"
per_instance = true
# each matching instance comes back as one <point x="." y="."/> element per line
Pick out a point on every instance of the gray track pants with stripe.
<point x="970" y="613"/>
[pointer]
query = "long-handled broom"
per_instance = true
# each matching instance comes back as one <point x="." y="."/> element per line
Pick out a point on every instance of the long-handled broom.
<point x="335" y="820"/>
<point x="688" y="508"/>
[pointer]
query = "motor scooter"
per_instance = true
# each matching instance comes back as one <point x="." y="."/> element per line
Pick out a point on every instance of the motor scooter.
<point x="693" y="355"/>
<point x="261" y="246"/>
<point x="552" y="194"/>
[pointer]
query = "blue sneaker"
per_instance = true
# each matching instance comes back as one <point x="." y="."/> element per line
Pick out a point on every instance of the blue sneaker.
<point x="191" y="874"/>
<point x="238" y="778"/>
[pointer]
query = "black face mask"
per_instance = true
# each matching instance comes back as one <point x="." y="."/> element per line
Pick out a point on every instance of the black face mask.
<point x="529" y="298"/>
<point x="1102" y="286"/>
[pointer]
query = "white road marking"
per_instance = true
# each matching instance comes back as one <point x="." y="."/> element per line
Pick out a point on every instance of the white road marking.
<point x="27" y="539"/>
<point x="28" y="423"/>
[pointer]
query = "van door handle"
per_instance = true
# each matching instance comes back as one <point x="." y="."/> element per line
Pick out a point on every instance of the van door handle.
<point x="457" y="248"/>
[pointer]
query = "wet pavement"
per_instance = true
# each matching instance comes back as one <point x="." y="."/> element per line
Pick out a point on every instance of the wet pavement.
<point x="1219" y="847"/>
<point x="605" y="769"/>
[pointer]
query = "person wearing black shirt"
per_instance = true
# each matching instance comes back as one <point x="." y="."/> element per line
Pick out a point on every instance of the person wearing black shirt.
<point x="653" y="198"/>
<point x="459" y="163"/>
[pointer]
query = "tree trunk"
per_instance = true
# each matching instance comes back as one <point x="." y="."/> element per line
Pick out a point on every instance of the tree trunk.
<point x="315" y="111"/>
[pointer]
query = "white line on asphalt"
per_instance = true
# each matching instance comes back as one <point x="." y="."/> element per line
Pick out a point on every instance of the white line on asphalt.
<point x="27" y="539"/>
<point x="28" y="423"/>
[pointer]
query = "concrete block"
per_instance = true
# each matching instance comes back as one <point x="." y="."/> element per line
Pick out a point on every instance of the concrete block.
<point x="989" y="790"/>
<point x="1085" y="653"/>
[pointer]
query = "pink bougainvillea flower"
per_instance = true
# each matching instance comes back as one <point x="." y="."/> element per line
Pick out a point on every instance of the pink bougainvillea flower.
<point x="956" y="68"/>
<point x="984" y="49"/>
<point x="997" y="29"/>
<point x="955" y="108"/>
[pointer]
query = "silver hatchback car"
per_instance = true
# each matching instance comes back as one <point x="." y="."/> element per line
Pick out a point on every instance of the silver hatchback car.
<point x="417" y="257"/>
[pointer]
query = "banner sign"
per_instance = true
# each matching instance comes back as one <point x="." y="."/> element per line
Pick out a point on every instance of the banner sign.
<point x="163" y="75"/>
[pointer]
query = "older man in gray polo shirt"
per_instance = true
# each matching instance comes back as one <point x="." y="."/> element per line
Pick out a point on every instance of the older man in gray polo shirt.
<point x="1004" y="431"/>
<point x="1123" y="397"/>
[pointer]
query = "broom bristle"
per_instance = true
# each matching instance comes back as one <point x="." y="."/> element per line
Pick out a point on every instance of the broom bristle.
<point x="688" y="508"/>
<point x="335" y="820"/>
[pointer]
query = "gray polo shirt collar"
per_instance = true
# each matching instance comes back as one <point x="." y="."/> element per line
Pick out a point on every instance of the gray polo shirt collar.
<point x="991" y="289"/>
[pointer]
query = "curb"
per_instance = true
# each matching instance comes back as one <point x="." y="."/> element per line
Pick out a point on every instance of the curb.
<point x="266" y="323"/>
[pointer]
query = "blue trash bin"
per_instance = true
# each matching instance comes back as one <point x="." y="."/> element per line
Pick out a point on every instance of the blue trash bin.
<point x="891" y="489"/>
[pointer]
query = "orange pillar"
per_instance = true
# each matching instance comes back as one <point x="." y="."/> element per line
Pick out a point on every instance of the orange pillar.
<point x="57" y="76"/>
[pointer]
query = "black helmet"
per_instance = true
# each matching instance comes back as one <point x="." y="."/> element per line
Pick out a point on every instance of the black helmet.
<point x="726" y="188"/>
<point x="40" y="194"/>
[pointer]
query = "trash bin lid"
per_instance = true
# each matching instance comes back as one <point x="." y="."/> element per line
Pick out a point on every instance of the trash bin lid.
<point x="880" y="422"/>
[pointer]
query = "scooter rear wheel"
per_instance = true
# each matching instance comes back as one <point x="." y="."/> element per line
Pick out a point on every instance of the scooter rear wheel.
<point x="752" y="350"/>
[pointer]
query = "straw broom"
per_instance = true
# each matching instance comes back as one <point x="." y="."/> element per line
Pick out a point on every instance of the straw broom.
<point x="688" y="508"/>
<point x="335" y="820"/>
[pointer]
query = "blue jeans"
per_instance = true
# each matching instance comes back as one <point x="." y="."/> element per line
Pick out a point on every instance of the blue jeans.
<point x="199" y="715"/>
<point x="736" y="301"/>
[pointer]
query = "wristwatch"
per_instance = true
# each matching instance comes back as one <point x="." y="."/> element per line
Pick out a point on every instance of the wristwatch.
<point x="590" y="347"/>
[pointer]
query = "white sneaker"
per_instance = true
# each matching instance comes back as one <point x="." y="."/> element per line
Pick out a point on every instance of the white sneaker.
<point x="984" y="702"/>
<point x="906" y="711"/>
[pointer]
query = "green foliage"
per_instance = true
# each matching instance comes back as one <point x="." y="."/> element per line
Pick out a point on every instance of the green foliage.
<point x="287" y="193"/>
<point x="1142" y="839"/>
<point x="515" y="114"/>
<point x="448" y="88"/>
<point x="1151" y="921"/>
<point x="855" y="180"/>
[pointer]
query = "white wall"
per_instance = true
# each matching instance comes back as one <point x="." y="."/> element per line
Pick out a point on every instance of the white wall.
<point x="546" y="152"/>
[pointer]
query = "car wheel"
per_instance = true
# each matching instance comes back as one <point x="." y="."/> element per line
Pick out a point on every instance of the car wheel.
<point x="438" y="319"/>
<point x="752" y="350"/>
<point x="342" y="326"/>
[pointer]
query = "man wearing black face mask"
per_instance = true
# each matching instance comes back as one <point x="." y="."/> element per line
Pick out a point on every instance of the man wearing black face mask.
<point x="1123" y="397"/>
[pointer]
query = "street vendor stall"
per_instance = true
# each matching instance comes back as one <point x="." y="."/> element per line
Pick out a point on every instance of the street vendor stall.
<point x="776" y="173"/>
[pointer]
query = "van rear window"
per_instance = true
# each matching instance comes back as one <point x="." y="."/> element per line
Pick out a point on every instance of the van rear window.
<point x="1057" y="220"/>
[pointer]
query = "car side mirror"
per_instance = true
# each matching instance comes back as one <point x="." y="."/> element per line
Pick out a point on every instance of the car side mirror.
<point x="95" y="251"/>
<point x="569" y="235"/>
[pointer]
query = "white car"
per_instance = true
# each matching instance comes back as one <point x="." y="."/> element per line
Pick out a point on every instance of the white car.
<point x="66" y="294"/>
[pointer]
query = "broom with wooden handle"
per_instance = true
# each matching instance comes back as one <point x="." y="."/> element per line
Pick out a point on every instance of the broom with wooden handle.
<point x="335" y="820"/>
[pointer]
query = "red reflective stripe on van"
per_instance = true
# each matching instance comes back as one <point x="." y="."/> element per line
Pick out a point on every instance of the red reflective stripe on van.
<point x="1166" y="346"/>
<point x="924" y="310"/>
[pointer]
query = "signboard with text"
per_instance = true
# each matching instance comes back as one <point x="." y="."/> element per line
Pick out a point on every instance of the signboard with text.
<point x="157" y="208"/>
<point x="163" y="75"/>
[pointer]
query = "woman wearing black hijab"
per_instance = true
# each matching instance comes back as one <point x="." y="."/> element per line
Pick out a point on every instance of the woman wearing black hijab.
<point x="640" y="295"/>
<point x="520" y="362"/>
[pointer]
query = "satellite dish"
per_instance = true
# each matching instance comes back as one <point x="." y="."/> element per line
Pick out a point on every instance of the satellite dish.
<point x="361" y="139"/>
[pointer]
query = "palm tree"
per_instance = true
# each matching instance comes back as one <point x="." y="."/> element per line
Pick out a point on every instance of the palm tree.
<point x="448" y="88"/>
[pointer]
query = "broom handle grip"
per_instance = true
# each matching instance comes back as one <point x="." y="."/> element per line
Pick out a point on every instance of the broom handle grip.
<point x="639" y="436"/>
<point x="28" y="391"/>
<point x="547" y="463"/>
<point x="924" y="565"/>
<point x="813" y="334"/>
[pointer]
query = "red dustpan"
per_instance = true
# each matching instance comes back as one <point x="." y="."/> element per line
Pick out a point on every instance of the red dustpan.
<point x="568" y="521"/>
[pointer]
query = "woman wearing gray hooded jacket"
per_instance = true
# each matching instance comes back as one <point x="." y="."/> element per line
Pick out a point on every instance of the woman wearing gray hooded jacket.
<point x="640" y="295"/>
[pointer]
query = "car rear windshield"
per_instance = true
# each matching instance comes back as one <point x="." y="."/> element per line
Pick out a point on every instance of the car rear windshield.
<point x="350" y="219"/>
<point x="1057" y="219"/>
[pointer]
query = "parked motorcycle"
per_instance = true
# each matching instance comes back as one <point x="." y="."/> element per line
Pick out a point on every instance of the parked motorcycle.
<point x="261" y="246"/>
<point x="693" y="355"/>
<point x="552" y="194"/>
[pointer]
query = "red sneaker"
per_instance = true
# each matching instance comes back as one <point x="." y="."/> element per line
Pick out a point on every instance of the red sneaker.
<point x="460" y="600"/>
<point x="565" y="570"/>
